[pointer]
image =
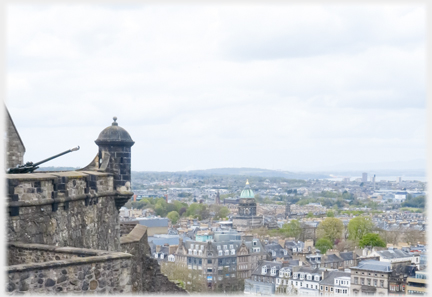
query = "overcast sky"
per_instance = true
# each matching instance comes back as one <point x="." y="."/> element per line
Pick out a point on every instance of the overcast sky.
<point x="208" y="86"/>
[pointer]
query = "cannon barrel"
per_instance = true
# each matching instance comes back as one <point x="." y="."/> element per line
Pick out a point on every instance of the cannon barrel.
<point x="58" y="155"/>
<point x="30" y="167"/>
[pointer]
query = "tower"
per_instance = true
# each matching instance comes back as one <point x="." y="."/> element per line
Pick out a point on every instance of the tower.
<point x="217" y="198"/>
<point x="287" y="210"/>
<point x="114" y="155"/>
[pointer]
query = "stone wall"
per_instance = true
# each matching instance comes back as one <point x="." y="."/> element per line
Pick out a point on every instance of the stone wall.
<point x="76" y="270"/>
<point x="14" y="146"/>
<point x="146" y="273"/>
<point x="126" y="228"/>
<point x="75" y="208"/>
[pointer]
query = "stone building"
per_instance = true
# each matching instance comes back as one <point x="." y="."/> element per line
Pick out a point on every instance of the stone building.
<point x="15" y="148"/>
<point x="370" y="278"/>
<point x="247" y="217"/>
<point x="64" y="233"/>
<point x="221" y="263"/>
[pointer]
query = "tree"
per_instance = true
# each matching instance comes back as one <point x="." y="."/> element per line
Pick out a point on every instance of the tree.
<point x="223" y="212"/>
<point x="330" y="214"/>
<point x="182" y="210"/>
<point x="330" y="228"/>
<point x="309" y="215"/>
<point x="173" y="216"/>
<point x="372" y="239"/>
<point x="292" y="229"/>
<point x="417" y="202"/>
<point x="323" y="244"/>
<point x="358" y="227"/>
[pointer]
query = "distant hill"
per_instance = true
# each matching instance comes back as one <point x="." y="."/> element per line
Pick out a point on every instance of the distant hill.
<point x="254" y="172"/>
<point x="52" y="168"/>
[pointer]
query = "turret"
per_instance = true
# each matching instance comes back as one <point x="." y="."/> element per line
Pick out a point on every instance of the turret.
<point x="115" y="155"/>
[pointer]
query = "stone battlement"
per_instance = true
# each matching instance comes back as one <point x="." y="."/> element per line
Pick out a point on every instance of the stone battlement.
<point x="69" y="208"/>
<point x="45" y="269"/>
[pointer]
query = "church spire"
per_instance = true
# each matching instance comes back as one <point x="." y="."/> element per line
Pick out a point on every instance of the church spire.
<point x="247" y="181"/>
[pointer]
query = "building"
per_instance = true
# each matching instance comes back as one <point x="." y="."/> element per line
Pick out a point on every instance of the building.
<point x="64" y="231"/>
<point x="223" y="262"/>
<point x="370" y="277"/>
<point x="15" y="148"/>
<point x="154" y="225"/>
<point x="335" y="283"/>
<point x="417" y="285"/>
<point x="364" y="177"/>
<point x="247" y="217"/>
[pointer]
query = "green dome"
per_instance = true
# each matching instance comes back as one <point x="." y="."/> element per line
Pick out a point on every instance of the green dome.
<point x="247" y="191"/>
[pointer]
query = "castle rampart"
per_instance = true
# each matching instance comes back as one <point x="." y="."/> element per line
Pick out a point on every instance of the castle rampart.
<point x="74" y="208"/>
<point x="36" y="268"/>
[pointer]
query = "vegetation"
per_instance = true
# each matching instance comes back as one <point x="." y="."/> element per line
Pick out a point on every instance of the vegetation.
<point x="330" y="214"/>
<point x="291" y="229"/>
<point x="330" y="228"/>
<point x="173" y="216"/>
<point x="323" y="244"/>
<point x="358" y="227"/>
<point x="372" y="239"/>
<point x="415" y="202"/>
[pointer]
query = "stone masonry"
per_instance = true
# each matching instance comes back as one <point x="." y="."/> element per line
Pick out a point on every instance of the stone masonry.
<point x="64" y="231"/>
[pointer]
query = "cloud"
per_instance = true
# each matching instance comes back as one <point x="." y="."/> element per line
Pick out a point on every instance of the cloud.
<point x="282" y="86"/>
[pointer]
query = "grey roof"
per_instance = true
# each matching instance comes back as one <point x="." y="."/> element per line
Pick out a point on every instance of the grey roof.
<point x="393" y="254"/>
<point x="278" y="249"/>
<point x="114" y="134"/>
<point x="329" y="279"/>
<point x="332" y="258"/>
<point x="346" y="256"/>
<point x="162" y="240"/>
<point x="373" y="265"/>
<point x="269" y="264"/>
<point x="154" y="222"/>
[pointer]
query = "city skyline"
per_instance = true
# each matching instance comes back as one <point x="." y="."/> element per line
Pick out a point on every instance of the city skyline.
<point x="287" y="87"/>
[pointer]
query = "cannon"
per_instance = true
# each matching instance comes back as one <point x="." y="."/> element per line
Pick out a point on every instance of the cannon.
<point x="29" y="167"/>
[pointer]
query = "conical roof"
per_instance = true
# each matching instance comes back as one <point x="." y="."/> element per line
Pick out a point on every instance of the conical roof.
<point x="247" y="191"/>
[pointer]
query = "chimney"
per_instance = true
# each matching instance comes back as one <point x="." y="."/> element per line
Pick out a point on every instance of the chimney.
<point x="180" y="244"/>
<point x="158" y="247"/>
<point x="172" y="249"/>
<point x="282" y="242"/>
<point x="135" y="198"/>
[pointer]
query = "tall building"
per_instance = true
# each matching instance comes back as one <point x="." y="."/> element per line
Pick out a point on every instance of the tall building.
<point x="246" y="217"/>
<point x="364" y="177"/>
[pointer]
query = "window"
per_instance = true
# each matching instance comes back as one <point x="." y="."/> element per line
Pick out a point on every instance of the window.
<point x="224" y="247"/>
<point x="375" y="282"/>
<point x="218" y="247"/>
<point x="226" y="252"/>
<point x="254" y="243"/>
<point x="190" y="252"/>
<point x="331" y="289"/>
<point x="362" y="281"/>
<point x="220" y="253"/>
<point x="321" y="288"/>
<point x="231" y="246"/>
<point x="381" y="283"/>
<point x="200" y="253"/>
<point x="209" y="261"/>
<point x="326" y="288"/>
<point x="233" y="252"/>
<point x="194" y="252"/>
<point x="192" y="246"/>
<point x="369" y="281"/>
